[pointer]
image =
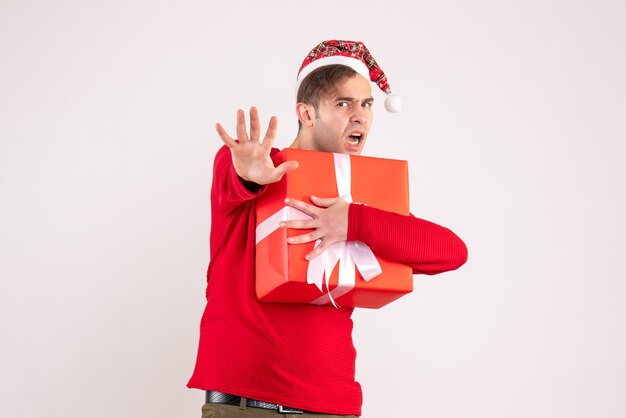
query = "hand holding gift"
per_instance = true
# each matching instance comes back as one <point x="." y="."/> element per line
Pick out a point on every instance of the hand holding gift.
<point x="329" y="222"/>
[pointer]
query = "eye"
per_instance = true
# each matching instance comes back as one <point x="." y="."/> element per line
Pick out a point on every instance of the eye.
<point x="367" y="105"/>
<point x="343" y="104"/>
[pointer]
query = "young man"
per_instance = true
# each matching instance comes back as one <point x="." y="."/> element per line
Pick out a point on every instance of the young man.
<point x="260" y="359"/>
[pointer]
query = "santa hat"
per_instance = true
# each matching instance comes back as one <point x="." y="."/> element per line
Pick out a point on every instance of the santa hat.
<point x="354" y="55"/>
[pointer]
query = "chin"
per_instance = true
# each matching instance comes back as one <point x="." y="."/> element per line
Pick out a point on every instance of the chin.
<point x="353" y="150"/>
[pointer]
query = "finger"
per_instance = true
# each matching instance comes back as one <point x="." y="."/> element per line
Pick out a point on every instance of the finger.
<point x="285" y="168"/>
<point x="224" y="136"/>
<point x="304" y="238"/>
<point x="270" y="134"/>
<point x="299" y="224"/>
<point x="324" y="244"/>
<point x="255" y="125"/>
<point x="242" y="133"/>
<point x="324" y="202"/>
<point x="310" y="210"/>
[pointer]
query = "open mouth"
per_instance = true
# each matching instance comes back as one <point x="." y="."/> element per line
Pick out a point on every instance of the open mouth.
<point x="354" y="138"/>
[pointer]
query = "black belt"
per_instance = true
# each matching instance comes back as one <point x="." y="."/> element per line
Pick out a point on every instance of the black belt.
<point x="213" y="396"/>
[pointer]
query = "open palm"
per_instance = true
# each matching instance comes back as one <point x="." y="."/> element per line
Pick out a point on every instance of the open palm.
<point x="251" y="157"/>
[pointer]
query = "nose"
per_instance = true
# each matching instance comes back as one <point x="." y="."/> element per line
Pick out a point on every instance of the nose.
<point x="359" y="115"/>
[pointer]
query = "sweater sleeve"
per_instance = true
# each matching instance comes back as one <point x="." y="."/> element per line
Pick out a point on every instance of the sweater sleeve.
<point x="229" y="190"/>
<point x="426" y="247"/>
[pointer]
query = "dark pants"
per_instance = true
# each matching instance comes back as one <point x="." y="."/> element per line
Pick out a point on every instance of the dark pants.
<point x="218" y="410"/>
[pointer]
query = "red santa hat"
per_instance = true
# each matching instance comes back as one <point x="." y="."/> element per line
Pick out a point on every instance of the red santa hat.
<point x="354" y="55"/>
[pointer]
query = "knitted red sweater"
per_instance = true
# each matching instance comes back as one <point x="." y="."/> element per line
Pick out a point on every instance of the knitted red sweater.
<point x="295" y="355"/>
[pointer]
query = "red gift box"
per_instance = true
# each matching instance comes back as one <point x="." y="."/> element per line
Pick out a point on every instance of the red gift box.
<point x="359" y="278"/>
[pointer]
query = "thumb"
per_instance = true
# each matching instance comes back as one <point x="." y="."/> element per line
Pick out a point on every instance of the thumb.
<point x="285" y="168"/>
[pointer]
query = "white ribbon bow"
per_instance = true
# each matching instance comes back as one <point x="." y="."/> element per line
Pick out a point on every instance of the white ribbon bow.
<point x="350" y="254"/>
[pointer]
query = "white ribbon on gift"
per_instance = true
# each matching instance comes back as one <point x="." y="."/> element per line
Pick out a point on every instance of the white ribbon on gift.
<point x="350" y="254"/>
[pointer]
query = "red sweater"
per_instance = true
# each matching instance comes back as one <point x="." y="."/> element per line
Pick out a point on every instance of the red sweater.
<point x="296" y="355"/>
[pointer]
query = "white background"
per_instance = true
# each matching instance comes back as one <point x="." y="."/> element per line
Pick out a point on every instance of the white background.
<point x="514" y="127"/>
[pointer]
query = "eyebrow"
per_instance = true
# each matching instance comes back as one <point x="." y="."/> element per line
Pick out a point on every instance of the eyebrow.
<point x="352" y="99"/>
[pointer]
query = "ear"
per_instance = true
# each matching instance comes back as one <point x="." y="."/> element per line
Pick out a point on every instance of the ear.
<point x="306" y="114"/>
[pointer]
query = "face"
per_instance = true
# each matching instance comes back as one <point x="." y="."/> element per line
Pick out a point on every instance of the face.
<point x="343" y="118"/>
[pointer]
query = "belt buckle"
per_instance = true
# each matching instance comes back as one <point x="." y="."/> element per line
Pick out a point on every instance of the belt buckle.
<point x="285" y="410"/>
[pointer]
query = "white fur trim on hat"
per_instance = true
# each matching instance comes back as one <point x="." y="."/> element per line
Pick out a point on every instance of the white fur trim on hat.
<point x="354" y="63"/>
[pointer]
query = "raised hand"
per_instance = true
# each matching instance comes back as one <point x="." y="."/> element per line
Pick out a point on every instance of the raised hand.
<point x="251" y="157"/>
<point x="330" y="222"/>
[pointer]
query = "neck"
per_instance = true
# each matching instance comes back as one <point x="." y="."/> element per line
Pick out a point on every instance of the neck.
<point x="302" y="141"/>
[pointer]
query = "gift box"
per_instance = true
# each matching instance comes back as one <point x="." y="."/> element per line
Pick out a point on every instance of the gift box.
<point x="347" y="274"/>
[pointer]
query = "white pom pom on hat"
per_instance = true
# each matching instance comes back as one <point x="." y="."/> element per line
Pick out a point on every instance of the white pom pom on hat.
<point x="393" y="103"/>
<point x="354" y="55"/>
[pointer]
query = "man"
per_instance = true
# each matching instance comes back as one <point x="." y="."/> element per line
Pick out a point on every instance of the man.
<point x="260" y="359"/>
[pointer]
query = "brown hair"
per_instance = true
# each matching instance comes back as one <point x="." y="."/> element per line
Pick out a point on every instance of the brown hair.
<point x="321" y="82"/>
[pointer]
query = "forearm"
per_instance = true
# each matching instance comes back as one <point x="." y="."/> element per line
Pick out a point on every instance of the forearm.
<point x="229" y="190"/>
<point x="425" y="246"/>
